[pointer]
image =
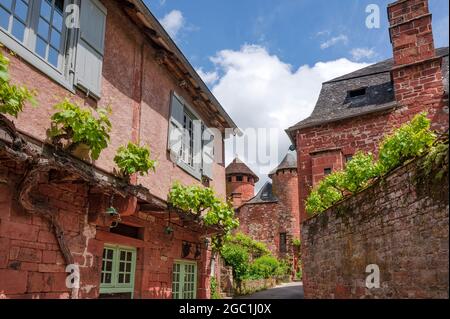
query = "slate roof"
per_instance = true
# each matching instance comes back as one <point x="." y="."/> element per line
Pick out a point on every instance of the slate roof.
<point x="335" y="103"/>
<point x="288" y="162"/>
<point x="265" y="195"/>
<point x="237" y="167"/>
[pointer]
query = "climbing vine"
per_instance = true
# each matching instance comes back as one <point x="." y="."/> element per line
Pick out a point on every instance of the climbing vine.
<point x="411" y="140"/>
<point x="202" y="203"/>
<point x="12" y="97"/>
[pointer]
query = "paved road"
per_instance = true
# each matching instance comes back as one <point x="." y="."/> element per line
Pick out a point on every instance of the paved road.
<point x="292" y="290"/>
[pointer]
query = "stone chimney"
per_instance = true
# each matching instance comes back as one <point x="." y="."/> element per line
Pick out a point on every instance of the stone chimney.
<point x="417" y="71"/>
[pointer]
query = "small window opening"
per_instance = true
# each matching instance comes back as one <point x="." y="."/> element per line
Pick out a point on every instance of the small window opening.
<point x="327" y="171"/>
<point x="239" y="178"/>
<point x="357" y="93"/>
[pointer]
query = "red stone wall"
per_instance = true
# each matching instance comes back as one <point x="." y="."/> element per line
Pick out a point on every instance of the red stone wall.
<point x="32" y="266"/>
<point x="262" y="223"/>
<point x="321" y="160"/>
<point x="140" y="109"/>
<point x="397" y="224"/>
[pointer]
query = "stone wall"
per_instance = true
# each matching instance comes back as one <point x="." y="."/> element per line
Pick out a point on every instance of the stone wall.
<point x="400" y="224"/>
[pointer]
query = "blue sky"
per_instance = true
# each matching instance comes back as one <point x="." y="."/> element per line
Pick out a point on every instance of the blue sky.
<point x="292" y="29"/>
<point x="265" y="60"/>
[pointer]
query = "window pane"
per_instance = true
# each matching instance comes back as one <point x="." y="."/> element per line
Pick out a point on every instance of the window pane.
<point x="122" y="255"/>
<point x="46" y="10"/>
<point x="18" y="30"/>
<point x="41" y="47"/>
<point x="127" y="278"/>
<point x="4" y="19"/>
<point x="110" y="254"/>
<point x="129" y="255"/>
<point x="122" y="267"/>
<point x="108" y="278"/>
<point x="108" y="266"/>
<point x="6" y="3"/>
<point x="43" y="28"/>
<point x="121" y="279"/>
<point x="21" y="10"/>
<point x="55" y="39"/>
<point x="57" y="20"/>
<point x="59" y="5"/>
<point x="53" y="57"/>
<point x="128" y="267"/>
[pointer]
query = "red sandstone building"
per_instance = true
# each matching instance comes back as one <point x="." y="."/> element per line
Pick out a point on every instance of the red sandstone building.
<point x="356" y="110"/>
<point x="54" y="208"/>
<point x="272" y="216"/>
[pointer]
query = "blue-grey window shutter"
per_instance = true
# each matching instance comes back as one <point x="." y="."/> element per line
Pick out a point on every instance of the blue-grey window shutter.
<point x="175" y="128"/>
<point x="198" y="148"/>
<point x="90" y="48"/>
<point x="208" y="154"/>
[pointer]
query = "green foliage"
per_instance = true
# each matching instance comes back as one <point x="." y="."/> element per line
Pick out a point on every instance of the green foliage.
<point x="80" y="126"/>
<point x="214" y="289"/>
<point x="251" y="259"/>
<point x="237" y="257"/>
<point x="437" y="161"/>
<point x="197" y="200"/>
<point x="12" y="97"/>
<point x="264" y="267"/>
<point x="296" y="242"/>
<point x="255" y="248"/>
<point x="410" y="140"/>
<point x="358" y="172"/>
<point x="134" y="159"/>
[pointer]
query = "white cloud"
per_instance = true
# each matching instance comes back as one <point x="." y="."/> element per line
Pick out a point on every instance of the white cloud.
<point x="208" y="77"/>
<point x="259" y="90"/>
<point x="333" y="41"/>
<point x="173" y="22"/>
<point x="359" y="54"/>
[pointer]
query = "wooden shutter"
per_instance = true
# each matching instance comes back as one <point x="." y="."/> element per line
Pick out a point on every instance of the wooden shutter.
<point x="90" y="47"/>
<point x="208" y="154"/>
<point x="175" y="128"/>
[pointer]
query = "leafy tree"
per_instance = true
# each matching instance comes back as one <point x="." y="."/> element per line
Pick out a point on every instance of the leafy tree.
<point x="12" y="97"/>
<point x="80" y="126"/>
<point x="134" y="159"/>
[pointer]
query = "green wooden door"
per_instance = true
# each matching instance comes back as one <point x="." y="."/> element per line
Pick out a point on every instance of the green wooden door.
<point x="118" y="269"/>
<point x="184" y="280"/>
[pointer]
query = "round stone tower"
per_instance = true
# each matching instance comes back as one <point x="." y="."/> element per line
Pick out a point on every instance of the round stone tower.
<point x="240" y="182"/>
<point x="285" y="188"/>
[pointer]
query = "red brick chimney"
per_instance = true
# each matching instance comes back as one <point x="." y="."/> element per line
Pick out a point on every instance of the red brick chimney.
<point x="416" y="74"/>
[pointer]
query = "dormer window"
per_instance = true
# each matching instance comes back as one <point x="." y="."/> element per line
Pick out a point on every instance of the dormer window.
<point x="265" y="195"/>
<point x="357" y="93"/>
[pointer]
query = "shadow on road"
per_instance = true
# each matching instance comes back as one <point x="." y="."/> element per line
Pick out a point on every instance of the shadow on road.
<point x="292" y="290"/>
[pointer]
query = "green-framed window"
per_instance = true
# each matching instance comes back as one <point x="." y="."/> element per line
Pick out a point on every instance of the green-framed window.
<point x="184" y="280"/>
<point x="118" y="270"/>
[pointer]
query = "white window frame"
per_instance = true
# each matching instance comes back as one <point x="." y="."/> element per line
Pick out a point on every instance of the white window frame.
<point x="63" y="75"/>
